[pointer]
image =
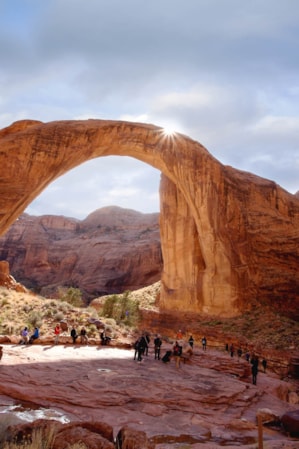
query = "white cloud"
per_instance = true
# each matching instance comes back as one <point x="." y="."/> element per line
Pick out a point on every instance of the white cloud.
<point x="224" y="73"/>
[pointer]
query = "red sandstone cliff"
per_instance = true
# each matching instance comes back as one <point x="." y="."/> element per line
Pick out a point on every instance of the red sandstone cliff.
<point x="111" y="251"/>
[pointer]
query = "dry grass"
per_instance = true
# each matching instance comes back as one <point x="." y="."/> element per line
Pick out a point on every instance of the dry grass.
<point x="18" y="310"/>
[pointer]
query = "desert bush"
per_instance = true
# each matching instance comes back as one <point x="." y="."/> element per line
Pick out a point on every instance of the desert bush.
<point x="71" y="295"/>
<point x="8" y="328"/>
<point x="48" y="313"/>
<point x="59" y="316"/>
<point x="35" y="319"/>
<point x="40" y="439"/>
<point x="92" y="330"/>
<point x="4" y="302"/>
<point x="122" y="309"/>
<point x="26" y="308"/>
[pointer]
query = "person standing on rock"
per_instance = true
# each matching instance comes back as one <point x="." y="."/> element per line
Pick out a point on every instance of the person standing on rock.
<point x="177" y="352"/>
<point x="254" y="368"/>
<point x="179" y="335"/>
<point x="264" y="363"/>
<point x="141" y="347"/>
<point x="57" y="331"/>
<point x="191" y="341"/>
<point x="204" y="343"/>
<point x="157" y="345"/>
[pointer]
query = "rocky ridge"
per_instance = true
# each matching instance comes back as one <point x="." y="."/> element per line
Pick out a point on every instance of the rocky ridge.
<point x="112" y="250"/>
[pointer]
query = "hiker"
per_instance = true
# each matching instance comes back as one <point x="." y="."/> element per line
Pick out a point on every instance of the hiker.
<point x="177" y="352"/>
<point x="239" y="353"/>
<point x="166" y="357"/>
<point x="232" y="350"/>
<point x="25" y="336"/>
<point x="264" y="363"/>
<point x="136" y="348"/>
<point x="141" y="347"/>
<point x="191" y="341"/>
<point x="34" y="336"/>
<point x="204" y="343"/>
<point x="83" y="336"/>
<point x="254" y="368"/>
<point x="157" y="345"/>
<point x="74" y="335"/>
<point x="57" y="331"/>
<point x="179" y="335"/>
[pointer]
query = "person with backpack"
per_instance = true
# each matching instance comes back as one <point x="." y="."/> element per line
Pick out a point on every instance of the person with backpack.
<point x="157" y="346"/>
<point x="141" y="347"/>
<point x="177" y="352"/>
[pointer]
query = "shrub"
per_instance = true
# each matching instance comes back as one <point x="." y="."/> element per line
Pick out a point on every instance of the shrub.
<point x="71" y="295"/>
<point x="122" y="309"/>
<point x="35" y="319"/>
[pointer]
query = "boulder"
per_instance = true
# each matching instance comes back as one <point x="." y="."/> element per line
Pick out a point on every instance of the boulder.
<point x="290" y="422"/>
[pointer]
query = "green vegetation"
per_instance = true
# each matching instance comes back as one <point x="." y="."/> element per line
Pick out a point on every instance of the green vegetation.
<point x="71" y="295"/>
<point x="122" y="308"/>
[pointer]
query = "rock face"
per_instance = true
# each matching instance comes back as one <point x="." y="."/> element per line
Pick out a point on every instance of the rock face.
<point x="228" y="238"/>
<point x="111" y="251"/>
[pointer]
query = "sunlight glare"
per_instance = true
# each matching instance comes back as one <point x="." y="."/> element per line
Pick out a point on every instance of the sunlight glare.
<point x="169" y="131"/>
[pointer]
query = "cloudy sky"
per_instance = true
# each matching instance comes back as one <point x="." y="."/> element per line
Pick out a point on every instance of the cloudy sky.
<point x="224" y="72"/>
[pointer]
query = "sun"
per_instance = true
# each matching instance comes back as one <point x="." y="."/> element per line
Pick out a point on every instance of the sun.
<point x="169" y="131"/>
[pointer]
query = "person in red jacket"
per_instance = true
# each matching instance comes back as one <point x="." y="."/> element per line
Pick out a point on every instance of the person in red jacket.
<point x="57" y="333"/>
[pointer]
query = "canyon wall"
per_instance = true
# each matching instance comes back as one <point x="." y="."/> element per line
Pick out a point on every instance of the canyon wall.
<point x="111" y="251"/>
<point x="229" y="238"/>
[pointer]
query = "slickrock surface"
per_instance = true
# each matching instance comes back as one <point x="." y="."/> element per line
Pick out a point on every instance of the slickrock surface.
<point x="229" y="238"/>
<point x="207" y="403"/>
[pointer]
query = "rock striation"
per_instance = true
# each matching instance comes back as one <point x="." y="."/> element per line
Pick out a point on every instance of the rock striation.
<point x="111" y="251"/>
<point x="209" y="402"/>
<point x="229" y="238"/>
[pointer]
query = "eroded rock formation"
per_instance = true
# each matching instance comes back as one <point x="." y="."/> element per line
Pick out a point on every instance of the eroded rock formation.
<point x="229" y="238"/>
<point x="110" y="251"/>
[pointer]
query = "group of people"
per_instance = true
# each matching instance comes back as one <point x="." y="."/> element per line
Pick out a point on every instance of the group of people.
<point x="252" y="359"/>
<point x="28" y="339"/>
<point x="142" y="344"/>
<point x="141" y="347"/>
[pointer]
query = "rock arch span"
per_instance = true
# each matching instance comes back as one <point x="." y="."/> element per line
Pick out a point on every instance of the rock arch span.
<point x="229" y="238"/>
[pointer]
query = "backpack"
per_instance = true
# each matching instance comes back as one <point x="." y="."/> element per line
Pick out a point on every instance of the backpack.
<point x="177" y="350"/>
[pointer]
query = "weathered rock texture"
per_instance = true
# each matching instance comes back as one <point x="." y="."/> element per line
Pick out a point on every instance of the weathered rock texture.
<point x="210" y="400"/>
<point x="228" y="237"/>
<point x="111" y="251"/>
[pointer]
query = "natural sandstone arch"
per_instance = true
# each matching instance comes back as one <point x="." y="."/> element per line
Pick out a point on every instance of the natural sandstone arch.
<point x="225" y="234"/>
